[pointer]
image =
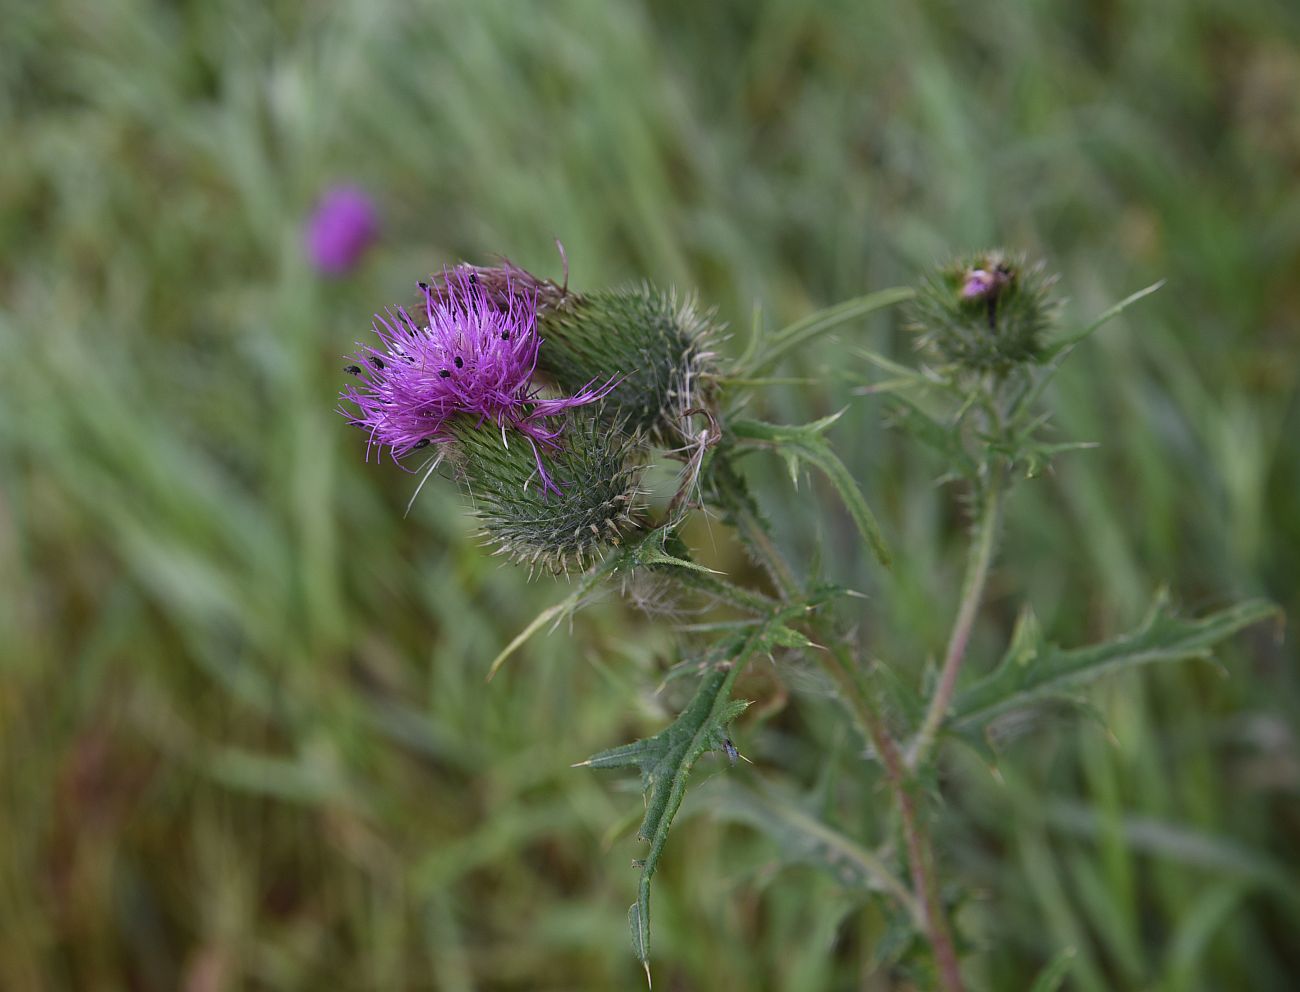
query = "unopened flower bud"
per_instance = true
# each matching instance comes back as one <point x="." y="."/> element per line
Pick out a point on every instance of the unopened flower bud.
<point x="986" y="313"/>
<point x="592" y="501"/>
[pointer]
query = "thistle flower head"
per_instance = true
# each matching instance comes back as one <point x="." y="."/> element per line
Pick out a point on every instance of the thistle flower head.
<point x="342" y="226"/>
<point x="659" y="346"/>
<point x="988" y="312"/>
<point x="466" y="360"/>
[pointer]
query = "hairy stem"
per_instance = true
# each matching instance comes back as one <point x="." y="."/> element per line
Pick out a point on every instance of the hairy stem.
<point x="769" y="556"/>
<point x="977" y="570"/>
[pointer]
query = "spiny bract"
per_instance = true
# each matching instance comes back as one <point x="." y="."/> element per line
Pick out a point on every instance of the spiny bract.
<point x="659" y="345"/>
<point x="594" y="500"/>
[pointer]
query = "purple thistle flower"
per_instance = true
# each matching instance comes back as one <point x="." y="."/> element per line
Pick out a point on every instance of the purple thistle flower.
<point x="978" y="284"/>
<point x="341" y="228"/>
<point x="469" y="362"/>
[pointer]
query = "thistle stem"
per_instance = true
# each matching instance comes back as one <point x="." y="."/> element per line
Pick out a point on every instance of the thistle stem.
<point x="726" y="591"/>
<point x="756" y="539"/>
<point x="979" y="561"/>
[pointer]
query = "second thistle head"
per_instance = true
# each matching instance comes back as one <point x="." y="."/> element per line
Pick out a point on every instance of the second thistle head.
<point x="987" y="312"/>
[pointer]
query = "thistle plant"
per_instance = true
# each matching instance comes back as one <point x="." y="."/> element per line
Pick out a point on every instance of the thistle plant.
<point x="545" y="404"/>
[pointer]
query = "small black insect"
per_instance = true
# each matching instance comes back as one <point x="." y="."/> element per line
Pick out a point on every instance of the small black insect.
<point x="352" y="369"/>
<point x="731" y="751"/>
<point x="505" y="335"/>
<point x="377" y="362"/>
<point x="460" y="364"/>
<point x="444" y="373"/>
<point x="424" y="286"/>
<point x="422" y="443"/>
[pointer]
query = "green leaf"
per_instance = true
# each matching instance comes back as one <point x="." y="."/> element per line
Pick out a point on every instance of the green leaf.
<point x="806" y="443"/>
<point x="762" y="355"/>
<point x="1104" y="318"/>
<point x="1056" y="353"/>
<point x="1034" y="670"/>
<point x="667" y="759"/>
<point x="638" y="922"/>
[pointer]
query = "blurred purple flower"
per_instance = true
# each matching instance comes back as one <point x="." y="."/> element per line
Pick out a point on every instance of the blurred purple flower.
<point x="469" y="361"/>
<point x="343" y="225"/>
<point x="978" y="284"/>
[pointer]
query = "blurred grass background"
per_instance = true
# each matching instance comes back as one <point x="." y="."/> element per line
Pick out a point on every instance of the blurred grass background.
<point x="244" y="736"/>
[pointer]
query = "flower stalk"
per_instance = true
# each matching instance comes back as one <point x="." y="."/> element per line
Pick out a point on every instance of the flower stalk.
<point x="979" y="562"/>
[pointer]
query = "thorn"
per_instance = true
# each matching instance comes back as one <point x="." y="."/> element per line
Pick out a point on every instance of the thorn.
<point x="648" y="980"/>
<point x="581" y="764"/>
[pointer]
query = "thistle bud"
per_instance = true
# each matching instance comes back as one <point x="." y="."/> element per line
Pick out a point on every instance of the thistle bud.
<point x="659" y="347"/>
<point x="591" y="500"/>
<point x="986" y="313"/>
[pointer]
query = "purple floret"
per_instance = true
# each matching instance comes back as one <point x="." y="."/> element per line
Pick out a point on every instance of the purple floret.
<point x="344" y="224"/>
<point x="977" y="285"/>
<point x="468" y="359"/>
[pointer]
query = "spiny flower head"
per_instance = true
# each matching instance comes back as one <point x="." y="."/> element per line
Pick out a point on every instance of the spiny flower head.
<point x="988" y="312"/>
<point x="660" y="346"/>
<point x="468" y="361"/>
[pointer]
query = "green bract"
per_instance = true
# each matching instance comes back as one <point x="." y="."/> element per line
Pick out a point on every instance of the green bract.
<point x="595" y="469"/>
<point x="658" y="343"/>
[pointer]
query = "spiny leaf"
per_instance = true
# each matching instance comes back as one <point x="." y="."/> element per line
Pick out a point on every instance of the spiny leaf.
<point x="666" y="759"/>
<point x="638" y="922"/>
<point x="1034" y="670"/>
<point x="806" y="443"/>
<point x="1056" y="353"/>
